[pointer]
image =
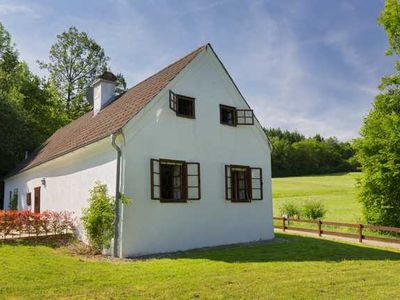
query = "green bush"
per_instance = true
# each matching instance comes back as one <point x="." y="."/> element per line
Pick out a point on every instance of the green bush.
<point x="313" y="210"/>
<point x="290" y="209"/>
<point x="98" y="218"/>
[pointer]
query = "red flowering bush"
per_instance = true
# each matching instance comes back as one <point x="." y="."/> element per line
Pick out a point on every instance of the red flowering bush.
<point x="26" y="222"/>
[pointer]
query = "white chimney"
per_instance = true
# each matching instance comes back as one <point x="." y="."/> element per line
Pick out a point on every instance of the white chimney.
<point x="103" y="91"/>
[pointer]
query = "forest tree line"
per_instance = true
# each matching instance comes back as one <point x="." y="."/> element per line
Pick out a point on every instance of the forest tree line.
<point x="294" y="154"/>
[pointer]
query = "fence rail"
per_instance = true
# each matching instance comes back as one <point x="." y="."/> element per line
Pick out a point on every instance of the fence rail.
<point x="360" y="235"/>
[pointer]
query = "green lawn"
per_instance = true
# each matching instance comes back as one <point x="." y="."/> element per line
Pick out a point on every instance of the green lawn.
<point x="336" y="191"/>
<point x="289" y="267"/>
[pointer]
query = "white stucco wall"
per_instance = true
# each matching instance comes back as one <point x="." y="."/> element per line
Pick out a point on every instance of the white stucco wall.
<point x="68" y="179"/>
<point x="150" y="226"/>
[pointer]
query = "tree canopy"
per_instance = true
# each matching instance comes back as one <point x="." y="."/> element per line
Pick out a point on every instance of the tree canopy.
<point x="293" y="154"/>
<point x="378" y="149"/>
<point x="74" y="62"/>
<point x="28" y="111"/>
<point x="33" y="108"/>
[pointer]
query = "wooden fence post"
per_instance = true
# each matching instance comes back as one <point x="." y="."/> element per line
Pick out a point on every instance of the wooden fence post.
<point x="360" y="228"/>
<point x="319" y="228"/>
<point x="284" y="223"/>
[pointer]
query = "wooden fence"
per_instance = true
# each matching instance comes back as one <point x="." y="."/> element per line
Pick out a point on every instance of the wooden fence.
<point x="359" y="228"/>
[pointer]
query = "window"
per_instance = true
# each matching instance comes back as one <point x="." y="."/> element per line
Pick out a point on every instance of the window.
<point x="243" y="183"/>
<point x="183" y="106"/>
<point x="174" y="180"/>
<point x="244" y="117"/>
<point x="28" y="199"/>
<point x="232" y="116"/>
<point x="227" y="115"/>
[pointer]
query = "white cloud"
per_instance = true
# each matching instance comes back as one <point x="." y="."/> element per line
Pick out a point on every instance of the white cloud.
<point x="17" y="9"/>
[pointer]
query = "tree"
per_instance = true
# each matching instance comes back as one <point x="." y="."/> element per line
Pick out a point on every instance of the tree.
<point x="74" y="62"/>
<point x="294" y="154"/>
<point x="378" y="148"/>
<point x="29" y="111"/>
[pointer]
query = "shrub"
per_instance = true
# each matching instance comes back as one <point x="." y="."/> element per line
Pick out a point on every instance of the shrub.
<point x="290" y="209"/>
<point x="313" y="210"/>
<point x="98" y="219"/>
<point x="25" y="221"/>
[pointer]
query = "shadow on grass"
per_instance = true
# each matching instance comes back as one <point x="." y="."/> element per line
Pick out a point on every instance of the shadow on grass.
<point x="52" y="241"/>
<point x="287" y="248"/>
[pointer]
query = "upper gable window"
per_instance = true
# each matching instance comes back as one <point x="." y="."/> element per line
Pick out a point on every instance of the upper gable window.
<point x="232" y="116"/>
<point x="183" y="106"/>
<point x="227" y="115"/>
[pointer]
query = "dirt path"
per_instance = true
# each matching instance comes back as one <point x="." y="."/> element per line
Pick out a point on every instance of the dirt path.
<point x="337" y="238"/>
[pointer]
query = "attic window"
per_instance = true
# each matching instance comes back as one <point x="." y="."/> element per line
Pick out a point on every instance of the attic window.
<point x="174" y="180"/>
<point x="183" y="106"/>
<point x="227" y="115"/>
<point x="243" y="183"/>
<point x="232" y="116"/>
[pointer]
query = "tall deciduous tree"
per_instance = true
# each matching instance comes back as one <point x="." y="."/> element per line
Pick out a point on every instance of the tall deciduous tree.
<point x="379" y="145"/>
<point x="74" y="62"/>
<point x="29" y="111"/>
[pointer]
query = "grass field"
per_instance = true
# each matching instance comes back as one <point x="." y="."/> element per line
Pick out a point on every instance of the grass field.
<point x="336" y="191"/>
<point x="286" y="268"/>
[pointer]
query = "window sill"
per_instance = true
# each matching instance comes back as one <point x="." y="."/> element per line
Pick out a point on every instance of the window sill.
<point x="240" y="201"/>
<point x="173" y="200"/>
<point x="230" y="125"/>
<point x="185" y="116"/>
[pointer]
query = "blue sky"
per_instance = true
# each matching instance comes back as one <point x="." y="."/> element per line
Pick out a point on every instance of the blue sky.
<point x="310" y="65"/>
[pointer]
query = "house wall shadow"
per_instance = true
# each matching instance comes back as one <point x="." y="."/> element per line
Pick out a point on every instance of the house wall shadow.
<point x="287" y="248"/>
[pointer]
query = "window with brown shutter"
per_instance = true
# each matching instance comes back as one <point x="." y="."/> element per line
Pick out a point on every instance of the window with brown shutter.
<point x="183" y="106"/>
<point x="243" y="183"/>
<point x="174" y="180"/>
<point x="232" y="116"/>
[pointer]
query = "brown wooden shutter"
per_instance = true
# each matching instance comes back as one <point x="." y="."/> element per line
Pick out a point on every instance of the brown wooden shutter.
<point x="173" y="104"/>
<point x="256" y="183"/>
<point x="155" y="185"/>
<point x="193" y="181"/>
<point x="249" y="184"/>
<point x="244" y="117"/>
<point x="184" y="182"/>
<point x="228" y="183"/>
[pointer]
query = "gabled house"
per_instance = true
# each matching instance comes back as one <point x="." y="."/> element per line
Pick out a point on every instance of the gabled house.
<point x="183" y="144"/>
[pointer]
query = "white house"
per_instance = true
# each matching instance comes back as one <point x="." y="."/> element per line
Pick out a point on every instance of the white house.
<point x="183" y="144"/>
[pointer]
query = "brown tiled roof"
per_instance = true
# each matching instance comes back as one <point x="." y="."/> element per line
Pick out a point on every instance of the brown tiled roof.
<point x="89" y="129"/>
